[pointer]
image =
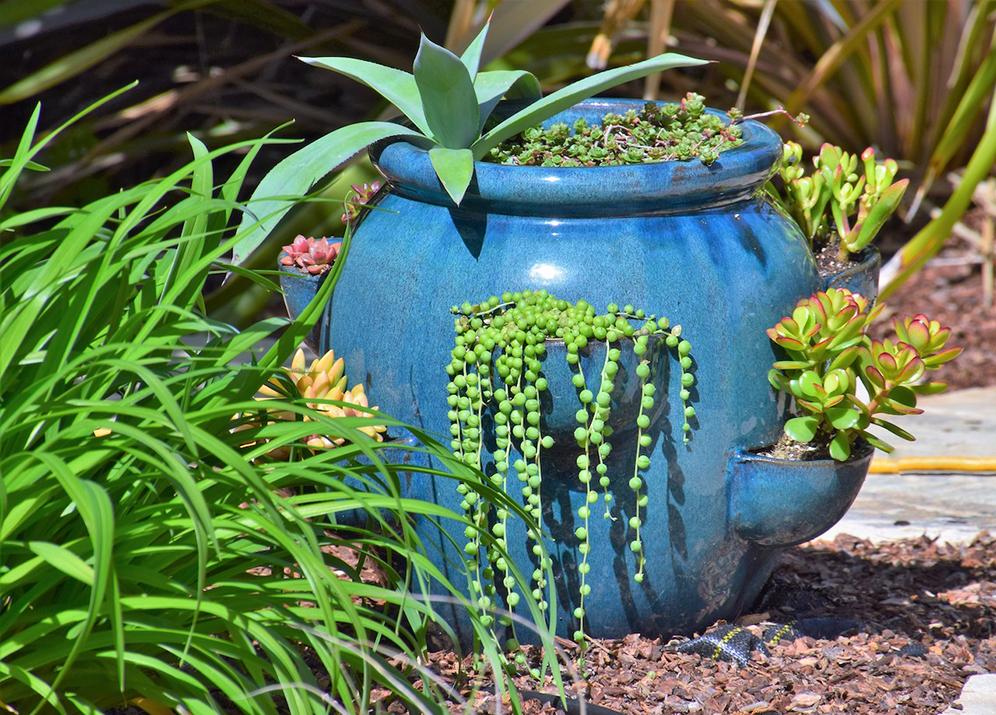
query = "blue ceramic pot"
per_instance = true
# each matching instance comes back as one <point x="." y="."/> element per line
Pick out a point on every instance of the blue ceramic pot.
<point x="860" y="275"/>
<point x="693" y="242"/>
<point x="299" y="287"/>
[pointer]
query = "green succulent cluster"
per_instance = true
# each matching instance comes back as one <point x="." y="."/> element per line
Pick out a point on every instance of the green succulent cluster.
<point x="496" y="378"/>
<point x="839" y="197"/>
<point x="657" y="132"/>
<point x="829" y="352"/>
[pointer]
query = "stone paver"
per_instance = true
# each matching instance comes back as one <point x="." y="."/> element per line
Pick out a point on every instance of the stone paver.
<point x="978" y="697"/>
<point x="960" y="423"/>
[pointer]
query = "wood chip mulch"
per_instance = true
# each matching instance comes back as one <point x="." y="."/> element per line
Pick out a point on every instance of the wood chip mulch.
<point x="950" y="289"/>
<point x="918" y="618"/>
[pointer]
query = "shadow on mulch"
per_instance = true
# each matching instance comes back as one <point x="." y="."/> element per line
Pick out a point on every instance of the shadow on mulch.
<point x="910" y="587"/>
<point x="923" y="619"/>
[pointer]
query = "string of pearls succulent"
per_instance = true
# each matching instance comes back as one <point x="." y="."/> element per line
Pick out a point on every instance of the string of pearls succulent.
<point x="496" y="378"/>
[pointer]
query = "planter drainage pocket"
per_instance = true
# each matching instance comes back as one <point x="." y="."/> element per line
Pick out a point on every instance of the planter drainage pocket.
<point x="859" y="276"/>
<point x="782" y="502"/>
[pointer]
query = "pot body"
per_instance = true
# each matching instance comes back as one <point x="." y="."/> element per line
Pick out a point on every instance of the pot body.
<point x="680" y="239"/>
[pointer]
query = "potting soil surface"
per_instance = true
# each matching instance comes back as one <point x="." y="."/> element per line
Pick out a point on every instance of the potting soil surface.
<point x="899" y="627"/>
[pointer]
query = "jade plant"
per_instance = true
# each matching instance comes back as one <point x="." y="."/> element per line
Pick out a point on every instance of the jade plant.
<point x="845" y="197"/>
<point x="496" y="380"/>
<point x="829" y="352"/>
<point x="674" y="131"/>
<point x="448" y="103"/>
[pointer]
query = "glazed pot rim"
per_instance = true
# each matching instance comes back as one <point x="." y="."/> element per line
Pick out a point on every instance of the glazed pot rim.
<point x="650" y="187"/>
<point x="294" y="270"/>
<point x="862" y="451"/>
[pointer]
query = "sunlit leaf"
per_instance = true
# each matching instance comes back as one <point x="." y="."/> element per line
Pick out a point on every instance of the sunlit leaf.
<point x="455" y="168"/>
<point x="295" y="175"/>
<point x="448" y="97"/>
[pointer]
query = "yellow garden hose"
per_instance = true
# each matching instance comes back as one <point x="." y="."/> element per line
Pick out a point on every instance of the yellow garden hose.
<point x="959" y="465"/>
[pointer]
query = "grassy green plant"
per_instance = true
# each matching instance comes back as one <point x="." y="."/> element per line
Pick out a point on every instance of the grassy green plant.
<point x="448" y="102"/>
<point x="154" y="553"/>
<point x="829" y="352"/>
<point x="496" y="376"/>
<point x="671" y="132"/>
<point x="839" y="201"/>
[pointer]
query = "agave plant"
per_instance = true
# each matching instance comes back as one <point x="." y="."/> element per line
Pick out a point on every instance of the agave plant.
<point x="447" y="102"/>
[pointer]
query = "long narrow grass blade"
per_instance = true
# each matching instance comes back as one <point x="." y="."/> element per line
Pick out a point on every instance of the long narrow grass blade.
<point x="71" y="65"/>
<point x="837" y="53"/>
<point x="973" y="102"/>
<point x="932" y="237"/>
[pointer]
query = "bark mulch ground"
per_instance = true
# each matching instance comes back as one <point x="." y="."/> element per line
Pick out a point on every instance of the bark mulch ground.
<point x="918" y="618"/>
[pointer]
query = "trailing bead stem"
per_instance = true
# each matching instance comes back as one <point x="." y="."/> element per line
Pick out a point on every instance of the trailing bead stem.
<point x="504" y="342"/>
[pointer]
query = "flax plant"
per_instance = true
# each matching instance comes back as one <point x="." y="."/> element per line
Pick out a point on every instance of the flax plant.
<point x="151" y="553"/>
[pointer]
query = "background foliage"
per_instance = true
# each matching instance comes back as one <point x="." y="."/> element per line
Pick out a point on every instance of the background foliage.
<point x="913" y="79"/>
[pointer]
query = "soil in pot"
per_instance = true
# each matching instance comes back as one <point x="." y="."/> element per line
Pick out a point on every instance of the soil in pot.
<point x="788" y="448"/>
<point x="827" y="256"/>
<point x="654" y="133"/>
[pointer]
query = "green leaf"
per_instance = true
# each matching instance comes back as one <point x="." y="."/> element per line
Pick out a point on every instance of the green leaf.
<point x="932" y="237"/>
<point x="894" y="428"/>
<point x="31" y="165"/>
<point x="64" y="560"/>
<point x="844" y="359"/>
<point x="842" y="418"/>
<point x="26" y="151"/>
<point x="295" y="175"/>
<point x="904" y="395"/>
<point x="971" y="103"/>
<point x="471" y="57"/>
<point x="840" y="447"/>
<point x="790" y="365"/>
<point x="930" y="388"/>
<point x="572" y="94"/>
<point x="455" y="168"/>
<point x="448" y="97"/>
<point x="877" y="443"/>
<point x="490" y="87"/>
<point x="880" y="213"/>
<point x="802" y="429"/>
<point x="811" y="385"/>
<point x="396" y="86"/>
